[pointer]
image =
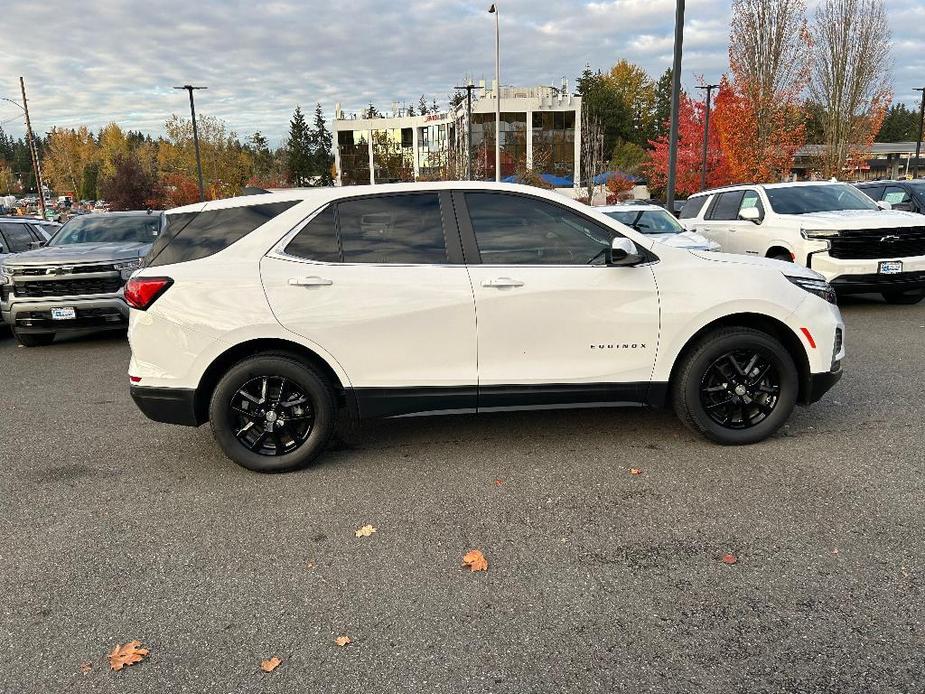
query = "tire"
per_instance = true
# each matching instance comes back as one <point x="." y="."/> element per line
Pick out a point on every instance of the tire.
<point x="785" y="257"/>
<point x="904" y="298"/>
<point x="264" y="444"/>
<point x="34" y="339"/>
<point x="702" y="367"/>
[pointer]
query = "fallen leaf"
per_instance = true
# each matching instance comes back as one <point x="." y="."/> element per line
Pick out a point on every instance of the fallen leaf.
<point x="729" y="558"/>
<point x="342" y="641"/>
<point x="271" y="664"/>
<point x="498" y="483"/>
<point x="475" y="560"/>
<point x="127" y="654"/>
<point x="365" y="531"/>
<point x="86" y="667"/>
<point x="835" y="551"/>
<point x="635" y="471"/>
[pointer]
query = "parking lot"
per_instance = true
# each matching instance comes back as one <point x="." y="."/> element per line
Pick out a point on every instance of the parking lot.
<point x="114" y="528"/>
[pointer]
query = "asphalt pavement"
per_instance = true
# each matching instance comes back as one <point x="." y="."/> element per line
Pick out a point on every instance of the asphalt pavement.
<point x="114" y="528"/>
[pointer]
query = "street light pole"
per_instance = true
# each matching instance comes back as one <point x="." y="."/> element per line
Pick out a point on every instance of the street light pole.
<point x="192" y="108"/>
<point x="494" y="10"/>
<point x="918" y="140"/>
<point x="468" y="88"/>
<point x="706" y="134"/>
<point x="675" y="103"/>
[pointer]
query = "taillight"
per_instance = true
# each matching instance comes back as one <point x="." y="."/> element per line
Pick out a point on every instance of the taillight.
<point x="141" y="292"/>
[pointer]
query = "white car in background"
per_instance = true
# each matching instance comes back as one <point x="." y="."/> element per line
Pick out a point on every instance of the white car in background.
<point x="658" y="224"/>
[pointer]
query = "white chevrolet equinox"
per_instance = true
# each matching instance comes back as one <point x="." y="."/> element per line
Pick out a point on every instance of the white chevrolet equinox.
<point x="271" y="315"/>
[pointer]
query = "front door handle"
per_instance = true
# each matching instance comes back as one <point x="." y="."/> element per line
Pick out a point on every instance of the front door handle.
<point x="312" y="281"/>
<point x="502" y="282"/>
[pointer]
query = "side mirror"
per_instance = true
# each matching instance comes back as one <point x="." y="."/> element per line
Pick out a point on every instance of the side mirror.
<point x="751" y="214"/>
<point x="623" y="253"/>
<point x="884" y="205"/>
<point x="903" y="207"/>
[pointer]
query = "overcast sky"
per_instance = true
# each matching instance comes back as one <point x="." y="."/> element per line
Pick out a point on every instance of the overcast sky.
<point x="116" y="60"/>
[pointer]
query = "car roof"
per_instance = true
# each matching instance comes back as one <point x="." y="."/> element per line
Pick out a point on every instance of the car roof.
<point x="123" y="213"/>
<point x="782" y="184"/>
<point x="22" y="220"/>
<point x="631" y="207"/>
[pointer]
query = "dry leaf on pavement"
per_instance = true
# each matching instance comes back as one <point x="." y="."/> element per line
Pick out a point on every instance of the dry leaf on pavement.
<point x="635" y="471"/>
<point x="86" y="667"/>
<point x="365" y="531"/>
<point x="270" y="665"/>
<point x="729" y="558"/>
<point x="475" y="560"/>
<point x="127" y="654"/>
<point x="342" y="641"/>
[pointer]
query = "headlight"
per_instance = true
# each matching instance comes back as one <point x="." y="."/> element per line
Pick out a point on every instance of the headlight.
<point x="820" y="288"/>
<point x="6" y="276"/>
<point x="127" y="268"/>
<point x="819" y="233"/>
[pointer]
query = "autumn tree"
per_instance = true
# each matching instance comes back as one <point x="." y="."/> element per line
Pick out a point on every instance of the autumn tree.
<point x="850" y="78"/>
<point x="68" y="153"/>
<point x="635" y="93"/>
<point x="129" y="187"/>
<point x="8" y="183"/>
<point x="112" y="143"/>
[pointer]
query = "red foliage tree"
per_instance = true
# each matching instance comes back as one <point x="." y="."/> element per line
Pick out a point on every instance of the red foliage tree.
<point x="177" y="190"/>
<point x="618" y="188"/>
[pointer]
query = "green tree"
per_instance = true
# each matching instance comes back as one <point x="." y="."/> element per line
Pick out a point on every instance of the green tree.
<point x="627" y="157"/>
<point x="422" y="106"/>
<point x="88" y="186"/>
<point x="662" y="110"/>
<point x="298" y="150"/>
<point x="320" y="142"/>
<point x="601" y="101"/>
<point x="899" y="125"/>
<point x="263" y="158"/>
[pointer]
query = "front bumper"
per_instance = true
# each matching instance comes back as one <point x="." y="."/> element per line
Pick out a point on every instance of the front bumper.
<point x="92" y="313"/>
<point x="820" y="384"/>
<point x="865" y="284"/>
<point x="858" y="276"/>
<point x="168" y="405"/>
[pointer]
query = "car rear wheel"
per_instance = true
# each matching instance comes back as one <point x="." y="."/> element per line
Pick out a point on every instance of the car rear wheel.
<point x="34" y="339"/>
<point x="272" y="413"/>
<point x="904" y="298"/>
<point x="736" y="386"/>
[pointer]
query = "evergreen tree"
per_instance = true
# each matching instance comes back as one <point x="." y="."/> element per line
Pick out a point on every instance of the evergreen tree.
<point x="298" y="150"/>
<point x="422" y="106"/>
<point x="371" y="112"/>
<point x="662" y="104"/>
<point x="434" y="108"/>
<point x="411" y="111"/>
<point x="899" y="125"/>
<point x="259" y="147"/>
<point x="320" y="143"/>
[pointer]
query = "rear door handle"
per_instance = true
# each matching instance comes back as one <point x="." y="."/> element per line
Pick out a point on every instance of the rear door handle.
<point x="310" y="282"/>
<point x="502" y="282"/>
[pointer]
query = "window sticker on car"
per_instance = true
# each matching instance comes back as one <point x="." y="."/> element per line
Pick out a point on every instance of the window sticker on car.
<point x="895" y="198"/>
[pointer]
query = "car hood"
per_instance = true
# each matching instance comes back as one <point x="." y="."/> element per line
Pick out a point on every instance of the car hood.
<point x="686" y="239"/>
<point x="848" y="220"/>
<point x="789" y="269"/>
<point x="80" y="253"/>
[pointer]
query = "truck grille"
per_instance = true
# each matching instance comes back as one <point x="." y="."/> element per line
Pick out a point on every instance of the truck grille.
<point x="71" y="270"/>
<point x="879" y="243"/>
<point x="95" y="285"/>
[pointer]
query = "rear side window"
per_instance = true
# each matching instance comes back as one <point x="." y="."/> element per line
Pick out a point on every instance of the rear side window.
<point x="318" y="239"/>
<point x="395" y="229"/>
<point x="198" y="235"/>
<point x="18" y="237"/>
<point x="692" y="207"/>
<point x="726" y="206"/>
<point x="875" y="192"/>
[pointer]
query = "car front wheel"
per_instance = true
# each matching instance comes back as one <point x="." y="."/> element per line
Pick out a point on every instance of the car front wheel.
<point x="736" y="386"/>
<point x="272" y="413"/>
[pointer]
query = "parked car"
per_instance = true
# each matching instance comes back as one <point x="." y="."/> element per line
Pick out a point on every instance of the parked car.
<point x="658" y="223"/>
<point x="267" y="315"/>
<point x="908" y="196"/>
<point x="830" y="227"/>
<point x="19" y="234"/>
<point x="75" y="281"/>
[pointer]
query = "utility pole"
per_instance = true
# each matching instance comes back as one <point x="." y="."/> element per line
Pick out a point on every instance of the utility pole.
<point x="675" y="103"/>
<point x="33" y="150"/>
<point x="918" y="140"/>
<point x="494" y="10"/>
<point x="468" y="88"/>
<point x="706" y="134"/>
<point x="192" y="108"/>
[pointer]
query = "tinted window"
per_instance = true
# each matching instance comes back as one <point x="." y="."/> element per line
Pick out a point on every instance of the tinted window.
<point x="515" y="230"/>
<point x="751" y="199"/>
<point x="195" y="235"/>
<point x="648" y="221"/>
<point x="141" y="228"/>
<point x="896" y="195"/>
<point x="18" y="237"/>
<point x="317" y="240"/>
<point x="874" y="192"/>
<point x="726" y="206"/>
<point x="392" y="229"/>
<point x="692" y="207"/>
<point x="818" y="198"/>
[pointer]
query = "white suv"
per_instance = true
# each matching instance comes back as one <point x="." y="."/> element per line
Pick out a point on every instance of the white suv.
<point x="833" y="228"/>
<point x="269" y="315"/>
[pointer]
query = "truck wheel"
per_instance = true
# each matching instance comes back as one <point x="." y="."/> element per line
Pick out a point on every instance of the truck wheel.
<point x="34" y="339"/>
<point x="736" y="386"/>
<point x="272" y="413"/>
<point x="904" y="298"/>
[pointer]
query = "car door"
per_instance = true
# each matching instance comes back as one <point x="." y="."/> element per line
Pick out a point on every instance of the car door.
<point x="556" y="325"/>
<point x="744" y="234"/>
<point x="720" y="218"/>
<point x="378" y="283"/>
<point x="16" y="237"/>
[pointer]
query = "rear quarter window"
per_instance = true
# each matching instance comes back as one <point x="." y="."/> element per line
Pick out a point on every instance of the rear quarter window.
<point x="195" y="235"/>
<point x="692" y="207"/>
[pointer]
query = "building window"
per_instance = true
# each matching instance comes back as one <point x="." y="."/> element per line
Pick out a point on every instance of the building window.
<point x="513" y="144"/>
<point x="393" y="162"/>
<point x="554" y="142"/>
<point x="432" y="152"/>
<point x="353" y="146"/>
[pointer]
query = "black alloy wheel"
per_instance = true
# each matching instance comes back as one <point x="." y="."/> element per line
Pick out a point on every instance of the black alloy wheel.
<point x="271" y="415"/>
<point x="740" y="389"/>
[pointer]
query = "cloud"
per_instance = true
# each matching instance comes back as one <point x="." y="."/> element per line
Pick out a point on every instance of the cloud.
<point x="119" y="59"/>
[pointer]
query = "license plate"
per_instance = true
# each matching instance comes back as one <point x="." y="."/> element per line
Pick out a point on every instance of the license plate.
<point x="66" y="313"/>
<point x="891" y="267"/>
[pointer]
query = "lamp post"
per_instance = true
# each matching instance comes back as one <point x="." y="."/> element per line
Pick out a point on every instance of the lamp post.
<point x="494" y="10"/>
<point x="675" y="103"/>
<point x="918" y="140"/>
<point x="468" y="88"/>
<point x="706" y="134"/>
<point x="192" y="108"/>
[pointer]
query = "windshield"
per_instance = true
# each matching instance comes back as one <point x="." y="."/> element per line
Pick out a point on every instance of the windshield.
<point x="820" y="198"/>
<point x="648" y="221"/>
<point x="105" y="229"/>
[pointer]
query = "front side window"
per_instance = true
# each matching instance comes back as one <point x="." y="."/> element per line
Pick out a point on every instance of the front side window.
<point x="517" y="230"/>
<point x="726" y="206"/>
<point x="17" y="237"/>
<point x="142" y="228"/>
<point x="392" y="229"/>
<point x="648" y="221"/>
<point x="806" y="199"/>
<point x="896" y="195"/>
<point x="751" y="199"/>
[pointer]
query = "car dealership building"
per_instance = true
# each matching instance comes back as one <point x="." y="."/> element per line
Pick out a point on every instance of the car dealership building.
<point x="540" y="130"/>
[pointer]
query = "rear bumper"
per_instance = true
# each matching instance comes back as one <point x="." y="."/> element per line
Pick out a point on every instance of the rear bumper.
<point x="870" y="283"/>
<point x="168" y="405"/>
